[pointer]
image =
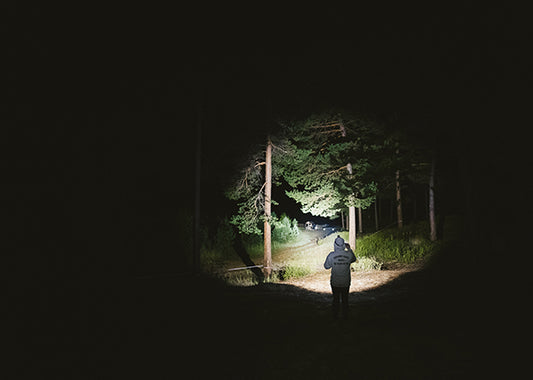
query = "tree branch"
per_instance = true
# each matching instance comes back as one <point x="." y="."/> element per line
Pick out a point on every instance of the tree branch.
<point x="277" y="147"/>
<point x="328" y="125"/>
<point x="336" y="170"/>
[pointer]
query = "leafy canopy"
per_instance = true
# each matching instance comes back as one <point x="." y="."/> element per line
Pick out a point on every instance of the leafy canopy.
<point x="327" y="160"/>
<point x="247" y="191"/>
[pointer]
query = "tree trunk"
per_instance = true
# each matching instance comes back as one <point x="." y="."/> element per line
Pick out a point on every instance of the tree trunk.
<point x="348" y="220"/>
<point x="342" y="219"/>
<point x="360" y="215"/>
<point x="398" y="197"/>
<point x="432" y="222"/>
<point x="351" y="228"/>
<point x="376" y="219"/>
<point x="351" y="217"/>
<point x="267" y="260"/>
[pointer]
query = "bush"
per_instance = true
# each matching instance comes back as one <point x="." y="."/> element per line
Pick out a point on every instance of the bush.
<point x="284" y="229"/>
<point x="364" y="264"/>
<point x="240" y="278"/>
<point x="295" y="271"/>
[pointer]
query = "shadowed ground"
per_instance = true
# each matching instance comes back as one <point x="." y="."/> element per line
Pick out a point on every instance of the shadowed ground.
<point x="429" y="323"/>
<point x="410" y="327"/>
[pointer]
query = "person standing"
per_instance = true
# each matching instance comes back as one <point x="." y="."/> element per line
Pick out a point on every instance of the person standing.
<point x="339" y="262"/>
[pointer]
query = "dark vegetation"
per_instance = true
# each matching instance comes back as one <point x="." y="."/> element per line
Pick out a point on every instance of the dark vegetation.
<point x="99" y="172"/>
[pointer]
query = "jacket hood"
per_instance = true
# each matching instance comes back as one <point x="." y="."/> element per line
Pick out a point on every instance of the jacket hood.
<point x="339" y="244"/>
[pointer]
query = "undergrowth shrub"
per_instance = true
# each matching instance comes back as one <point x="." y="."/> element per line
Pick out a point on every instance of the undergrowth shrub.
<point x="364" y="264"/>
<point x="404" y="245"/>
<point x="284" y="229"/>
<point x="295" y="271"/>
<point x="240" y="278"/>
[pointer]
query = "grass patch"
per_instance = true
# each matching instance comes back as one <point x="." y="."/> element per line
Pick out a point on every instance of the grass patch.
<point x="240" y="278"/>
<point x="292" y="270"/>
<point x="404" y="245"/>
<point x="365" y="264"/>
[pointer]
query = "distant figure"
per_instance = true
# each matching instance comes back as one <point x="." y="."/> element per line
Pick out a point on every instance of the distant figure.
<point x="339" y="261"/>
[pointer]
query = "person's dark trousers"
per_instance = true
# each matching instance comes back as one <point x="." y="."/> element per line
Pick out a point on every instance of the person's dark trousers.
<point x="340" y="295"/>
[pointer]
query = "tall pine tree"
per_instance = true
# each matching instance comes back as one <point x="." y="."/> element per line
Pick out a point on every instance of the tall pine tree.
<point x="326" y="163"/>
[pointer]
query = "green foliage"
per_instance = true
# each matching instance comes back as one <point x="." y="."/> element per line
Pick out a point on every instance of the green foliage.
<point x="404" y="245"/>
<point x="240" y="278"/>
<point x="254" y="245"/>
<point x="295" y="271"/>
<point x="248" y="217"/>
<point x="323" y="201"/>
<point x="316" y="157"/>
<point x="364" y="264"/>
<point x="247" y="191"/>
<point x="284" y="229"/>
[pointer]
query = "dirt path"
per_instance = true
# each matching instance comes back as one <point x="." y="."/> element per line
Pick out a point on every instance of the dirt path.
<point x="365" y="286"/>
<point x="319" y="282"/>
<point x="399" y="327"/>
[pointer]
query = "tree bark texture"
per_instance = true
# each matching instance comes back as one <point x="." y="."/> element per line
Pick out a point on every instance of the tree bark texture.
<point x="432" y="221"/>
<point x="360" y="215"/>
<point x="267" y="260"/>
<point x="398" y="195"/>
<point x="351" y="228"/>
<point x="398" y="200"/>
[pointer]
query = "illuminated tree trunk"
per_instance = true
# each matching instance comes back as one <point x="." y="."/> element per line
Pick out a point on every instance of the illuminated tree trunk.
<point x="398" y="197"/>
<point x="360" y="215"/>
<point x="342" y="220"/>
<point x="398" y="200"/>
<point x="351" y="227"/>
<point x="351" y="217"/>
<point x="267" y="260"/>
<point x="432" y="222"/>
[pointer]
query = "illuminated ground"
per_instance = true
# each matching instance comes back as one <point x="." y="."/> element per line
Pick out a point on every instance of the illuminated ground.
<point x="306" y="252"/>
<point x="361" y="282"/>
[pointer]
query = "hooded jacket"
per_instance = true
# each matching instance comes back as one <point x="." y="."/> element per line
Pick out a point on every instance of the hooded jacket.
<point x="339" y="261"/>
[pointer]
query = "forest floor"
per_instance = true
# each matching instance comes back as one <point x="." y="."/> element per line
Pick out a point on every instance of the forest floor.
<point x="365" y="285"/>
<point x="306" y="252"/>
<point x="404" y="322"/>
<point x="401" y="325"/>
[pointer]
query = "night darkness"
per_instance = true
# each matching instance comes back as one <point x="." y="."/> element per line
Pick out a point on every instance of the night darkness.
<point x="101" y="118"/>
